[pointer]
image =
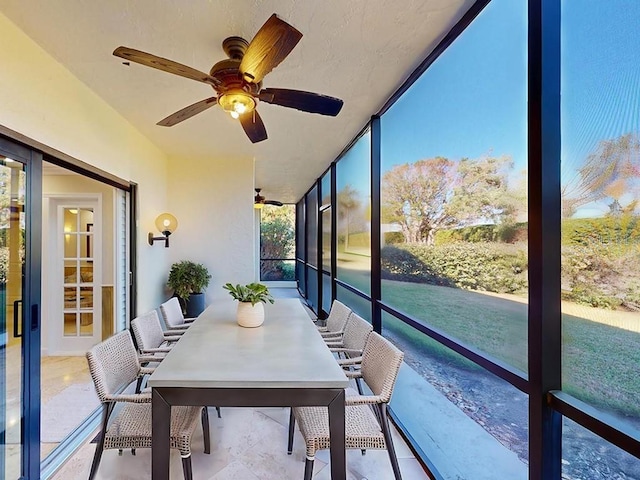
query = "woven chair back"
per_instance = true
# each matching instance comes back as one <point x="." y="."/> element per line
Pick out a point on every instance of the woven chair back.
<point x="113" y="364"/>
<point x="147" y="330"/>
<point x="356" y="332"/>
<point x="338" y="316"/>
<point x="381" y="362"/>
<point x="172" y="313"/>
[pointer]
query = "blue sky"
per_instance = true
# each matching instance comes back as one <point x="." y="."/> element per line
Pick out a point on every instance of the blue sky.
<point x="472" y="101"/>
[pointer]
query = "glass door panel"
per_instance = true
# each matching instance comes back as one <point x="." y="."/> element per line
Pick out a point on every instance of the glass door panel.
<point x="12" y="260"/>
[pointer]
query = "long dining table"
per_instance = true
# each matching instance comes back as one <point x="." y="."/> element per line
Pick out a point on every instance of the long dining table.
<point x="283" y="363"/>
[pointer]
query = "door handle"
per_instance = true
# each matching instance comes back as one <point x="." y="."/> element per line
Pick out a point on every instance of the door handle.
<point x="16" y="321"/>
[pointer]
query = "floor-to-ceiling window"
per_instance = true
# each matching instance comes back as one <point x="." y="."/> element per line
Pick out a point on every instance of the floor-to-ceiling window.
<point x="510" y="286"/>
<point x="600" y="175"/>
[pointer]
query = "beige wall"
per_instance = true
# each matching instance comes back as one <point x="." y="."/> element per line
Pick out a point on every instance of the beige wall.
<point x="213" y="202"/>
<point x="42" y="100"/>
<point x="212" y="198"/>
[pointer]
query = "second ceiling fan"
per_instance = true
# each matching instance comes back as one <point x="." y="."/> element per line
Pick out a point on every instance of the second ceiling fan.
<point x="259" y="200"/>
<point x="238" y="79"/>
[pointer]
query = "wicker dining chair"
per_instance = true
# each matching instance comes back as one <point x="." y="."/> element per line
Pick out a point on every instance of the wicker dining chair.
<point x="336" y="320"/>
<point x="366" y="423"/>
<point x="350" y="347"/>
<point x="150" y="337"/>
<point x="172" y="315"/>
<point x="114" y="365"/>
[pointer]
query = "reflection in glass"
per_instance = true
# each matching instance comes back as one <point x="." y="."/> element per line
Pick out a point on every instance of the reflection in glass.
<point x="70" y="245"/>
<point x="486" y="417"/>
<point x="353" y="197"/>
<point x="70" y="326"/>
<point x="326" y="240"/>
<point x="454" y="232"/>
<point x="600" y="178"/>
<point x="311" y="211"/>
<point x="326" y="292"/>
<point x="86" y="324"/>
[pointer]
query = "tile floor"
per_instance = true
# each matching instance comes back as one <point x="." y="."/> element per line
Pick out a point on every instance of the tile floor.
<point x="247" y="444"/>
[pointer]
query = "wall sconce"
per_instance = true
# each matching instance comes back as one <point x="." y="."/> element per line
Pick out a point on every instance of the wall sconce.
<point x="166" y="224"/>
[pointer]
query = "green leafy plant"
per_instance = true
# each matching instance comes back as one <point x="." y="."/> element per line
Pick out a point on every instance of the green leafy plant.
<point x="187" y="277"/>
<point x="252" y="292"/>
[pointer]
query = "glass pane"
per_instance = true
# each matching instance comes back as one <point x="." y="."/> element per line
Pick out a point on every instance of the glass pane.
<point x="70" y="271"/>
<point x="300" y="231"/>
<point x="312" y="288"/>
<point x="472" y="414"/>
<point x="326" y="292"/>
<point x="312" y="226"/>
<point x="70" y="297"/>
<point x="453" y="204"/>
<point x="71" y="220"/>
<point x="70" y="325"/>
<point x="600" y="206"/>
<point x="12" y="261"/>
<point x="86" y="271"/>
<point x="277" y="242"/>
<point x="70" y="245"/>
<point x="353" y="197"/>
<point x="325" y="184"/>
<point x="301" y="277"/>
<point x="86" y="298"/>
<point x="586" y="455"/>
<point x="86" y="324"/>
<point x="326" y="240"/>
<point x="360" y="305"/>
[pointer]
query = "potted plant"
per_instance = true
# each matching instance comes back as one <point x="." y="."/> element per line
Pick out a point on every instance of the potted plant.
<point x="251" y="299"/>
<point x="188" y="280"/>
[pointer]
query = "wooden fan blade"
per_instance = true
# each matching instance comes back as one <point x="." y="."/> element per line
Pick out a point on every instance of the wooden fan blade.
<point x="271" y="45"/>
<point x="305" y="101"/>
<point x="253" y="126"/>
<point x="273" y="202"/>
<point x="164" y="64"/>
<point x="187" y="112"/>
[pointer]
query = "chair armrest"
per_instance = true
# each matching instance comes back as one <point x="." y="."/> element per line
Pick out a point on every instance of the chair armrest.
<point x="350" y="362"/>
<point x="362" y="400"/>
<point x="151" y="351"/>
<point x="150" y="359"/>
<point x="322" y="329"/>
<point x="172" y="338"/>
<point x="353" y="373"/>
<point x="190" y="319"/>
<point x="147" y="370"/>
<point x="345" y="350"/>
<point x="332" y="334"/>
<point x="178" y="327"/>
<point x="131" y="398"/>
<point x="334" y="345"/>
<point x="174" y="333"/>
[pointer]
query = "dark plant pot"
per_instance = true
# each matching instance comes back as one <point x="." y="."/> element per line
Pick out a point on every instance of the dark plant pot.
<point x="195" y="305"/>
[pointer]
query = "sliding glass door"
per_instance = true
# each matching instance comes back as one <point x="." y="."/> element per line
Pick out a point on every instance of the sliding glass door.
<point x="20" y="185"/>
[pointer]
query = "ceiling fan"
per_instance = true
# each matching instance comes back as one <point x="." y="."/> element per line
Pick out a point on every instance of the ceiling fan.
<point x="259" y="201"/>
<point x="238" y="79"/>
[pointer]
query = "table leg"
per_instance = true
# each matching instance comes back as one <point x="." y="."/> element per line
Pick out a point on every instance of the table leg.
<point x="337" y="433"/>
<point x="161" y="424"/>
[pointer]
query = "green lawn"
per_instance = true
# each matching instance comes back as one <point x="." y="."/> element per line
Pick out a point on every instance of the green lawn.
<point x="601" y="363"/>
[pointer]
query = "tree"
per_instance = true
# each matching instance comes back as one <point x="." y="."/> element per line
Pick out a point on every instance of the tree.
<point x="416" y="196"/>
<point x="277" y="240"/>
<point x="610" y="172"/>
<point x="481" y="193"/>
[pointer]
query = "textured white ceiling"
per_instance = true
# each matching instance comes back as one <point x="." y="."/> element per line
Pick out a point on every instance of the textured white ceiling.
<point x="357" y="50"/>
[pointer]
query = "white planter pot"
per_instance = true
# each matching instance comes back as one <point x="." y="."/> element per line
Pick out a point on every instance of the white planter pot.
<point x="249" y="315"/>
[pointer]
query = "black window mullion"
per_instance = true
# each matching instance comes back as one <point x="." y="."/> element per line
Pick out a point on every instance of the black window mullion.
<point x="376" y="270"/>
<point x="545" y="327"/>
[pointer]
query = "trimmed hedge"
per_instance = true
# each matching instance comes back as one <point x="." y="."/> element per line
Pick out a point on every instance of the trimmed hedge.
<point x="491" y="267"/>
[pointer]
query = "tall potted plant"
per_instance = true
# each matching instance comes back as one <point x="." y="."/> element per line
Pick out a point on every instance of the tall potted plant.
<point x="188" y="280"/>
<point x="251" y="298"/>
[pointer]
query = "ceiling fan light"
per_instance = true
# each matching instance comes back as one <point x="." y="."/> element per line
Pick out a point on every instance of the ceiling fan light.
<point x="236" y="102"/>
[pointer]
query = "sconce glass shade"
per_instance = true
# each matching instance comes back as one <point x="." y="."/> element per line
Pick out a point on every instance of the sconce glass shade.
<point x="166" y="223"/>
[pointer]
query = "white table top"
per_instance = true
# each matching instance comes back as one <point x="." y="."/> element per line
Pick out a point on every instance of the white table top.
<point x="285" y="352"/>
